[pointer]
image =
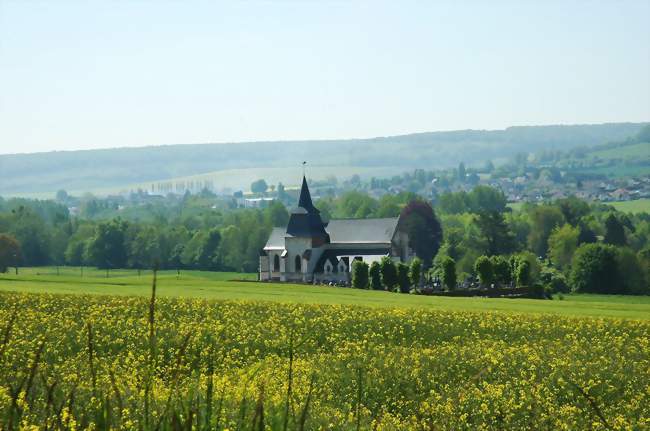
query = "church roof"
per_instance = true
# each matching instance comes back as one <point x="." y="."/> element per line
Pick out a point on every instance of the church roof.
<point x="372" y="230"/>
<point x="276" y="239"/>
<point x="305" y="198"/>
<point x="305" y="220"/>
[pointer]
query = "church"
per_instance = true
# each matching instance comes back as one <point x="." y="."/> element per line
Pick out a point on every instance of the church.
<point x="310" y="250"/>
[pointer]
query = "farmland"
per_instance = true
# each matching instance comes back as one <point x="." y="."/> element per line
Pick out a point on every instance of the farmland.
<point x="130" y="362"/>
<point x="229" y="286"/>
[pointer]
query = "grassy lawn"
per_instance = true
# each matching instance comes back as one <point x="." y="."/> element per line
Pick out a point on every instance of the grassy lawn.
<point x="637" y="206"/>
<point x="229" y="286"/>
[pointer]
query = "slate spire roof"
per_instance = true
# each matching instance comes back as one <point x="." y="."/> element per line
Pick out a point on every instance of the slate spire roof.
<point x="305" y="198"/>
<point x="305" y="220"/>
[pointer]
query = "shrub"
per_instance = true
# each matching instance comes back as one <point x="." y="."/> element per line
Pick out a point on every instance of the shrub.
<point x="359" y="274"/>
<point x="484" y="270"/>
<point x="403" y="277"/>
<point x="501" y="270"/>
<point x="375" y="276"/>
<point x="448" y="273"/>
<point x="415" y="271"/>
<point x="388" y="273"/>
<point x="522" y="273"/>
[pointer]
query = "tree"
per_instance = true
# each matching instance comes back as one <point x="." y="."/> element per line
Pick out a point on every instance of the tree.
<point x="388" y="273"/>
<point x="415" y="271"/>
<point x="486" y="198"/>
<point x="573" y="209"/>
<point x="375" y="276"/>
<point x="107" y="249"/>
<point x="259" y="186"/>
<point x="614" y="231"/>
<point x="461" y="172"/>
<point x="543" y="219"/>
<point x="594" y="269"/>
<point x="501" y="269"/>
<point x="523" y="273"/>
<point x="448" y="273"/>
<point x="359" y="274"/>
<point x="423" y="229"/>
<point x="62" y="196"/>
<point x="635" y="279"/>
<point x="562" y="244"/>
<point x="144" y="250"/>
<point x="10" y="253"/>
<point x="484" y="270"/>
<point x="403" y="277"/>
<point x="276" y="214"/>
<point x="494" y="229"/>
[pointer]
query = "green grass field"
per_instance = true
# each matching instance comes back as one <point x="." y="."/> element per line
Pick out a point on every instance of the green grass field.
<point x="627" y="152"/>
<point x="637" y="206"/>
<point x="230" y="286"/>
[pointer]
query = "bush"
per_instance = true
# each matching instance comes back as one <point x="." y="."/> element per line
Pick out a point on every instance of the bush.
<point x="388" y="273"/>
<point x="415" y="271"/>
<point x="554" y="280"/>
<point x="359" y="274"/>
<point x="501" y="270"/>
<point x="522" y="273"/>
<point x="448" y="273"/>
<point x="375" y="276"/>
<point x="484" y="270"/>
<point x="403" y="277"/>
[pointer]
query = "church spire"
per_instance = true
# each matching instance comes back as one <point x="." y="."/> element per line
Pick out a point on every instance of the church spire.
<point x="305" y="197"/>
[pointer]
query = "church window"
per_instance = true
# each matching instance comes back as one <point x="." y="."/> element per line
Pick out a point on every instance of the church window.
<point x="276" y="263"/>
<point x="298" y="263"/>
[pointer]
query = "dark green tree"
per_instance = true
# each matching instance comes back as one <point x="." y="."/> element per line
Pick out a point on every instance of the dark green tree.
<point x="375" y="276"/>
<point x="360" y="276"/>
<point x="388" y="273"/>
<point x="614" y="231"/>
<point x="259" y="186"/>
<point x="543" y="219"/>
<point x="484" y="270"/>
<point x="495" y="231"/>
<point x="594" y="269"/>
<point x="448" y="273"/>
<point x="415" y="271"/>
<point x="502" y="270"/>
<point x="423" y="229"/>
<point x="403" y="277"/>
<point x="107" y="249"/>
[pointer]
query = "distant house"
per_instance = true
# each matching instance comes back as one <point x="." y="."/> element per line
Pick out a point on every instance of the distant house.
<point x="257" y="202"/>
<point x="310" y="250"/>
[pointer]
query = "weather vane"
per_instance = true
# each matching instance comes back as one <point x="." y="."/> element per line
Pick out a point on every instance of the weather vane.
<point x="303" y="168"/>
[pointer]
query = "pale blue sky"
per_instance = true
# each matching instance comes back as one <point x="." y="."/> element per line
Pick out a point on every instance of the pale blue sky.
<point x="85" y="74"/>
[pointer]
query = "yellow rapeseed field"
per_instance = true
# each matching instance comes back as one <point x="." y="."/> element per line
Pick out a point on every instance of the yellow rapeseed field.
<point x="99" y="362"/>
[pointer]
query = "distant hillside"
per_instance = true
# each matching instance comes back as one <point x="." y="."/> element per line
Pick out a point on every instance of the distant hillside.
<point x="94" y="170"/>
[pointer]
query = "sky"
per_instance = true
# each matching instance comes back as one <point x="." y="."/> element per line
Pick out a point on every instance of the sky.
<point x="84" y="74"/>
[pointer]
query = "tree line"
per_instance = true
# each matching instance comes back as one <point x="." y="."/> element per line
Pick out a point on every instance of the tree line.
<point x="568" y="243"/>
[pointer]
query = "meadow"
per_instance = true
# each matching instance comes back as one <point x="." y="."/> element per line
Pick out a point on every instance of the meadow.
<point x="240" y="286"/>
<point x="125" y="357"/>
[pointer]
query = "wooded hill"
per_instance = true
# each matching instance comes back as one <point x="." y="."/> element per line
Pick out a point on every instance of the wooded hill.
<point x="92" y="170"/>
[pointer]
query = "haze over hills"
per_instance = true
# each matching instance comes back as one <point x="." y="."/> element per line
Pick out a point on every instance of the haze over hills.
<point x="235" y="165"/>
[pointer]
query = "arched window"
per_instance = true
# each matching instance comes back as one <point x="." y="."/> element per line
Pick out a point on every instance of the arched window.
<point x="276" y="263"/>
<point x="298" y="263"/>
